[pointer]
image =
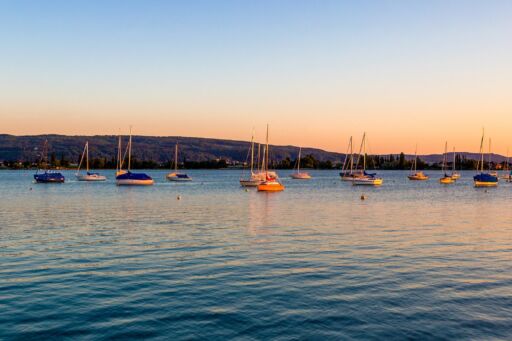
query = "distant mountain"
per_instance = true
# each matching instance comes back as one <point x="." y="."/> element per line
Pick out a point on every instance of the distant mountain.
<point x="161" y="149"/>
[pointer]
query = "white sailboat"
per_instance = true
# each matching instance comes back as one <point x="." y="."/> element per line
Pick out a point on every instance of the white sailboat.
<point x="177" y="176"/>
<point x="88" y="176"/>
<point x="366" y="179"/>
<point x="298" y="175"/>
<point x="256" y="177"/>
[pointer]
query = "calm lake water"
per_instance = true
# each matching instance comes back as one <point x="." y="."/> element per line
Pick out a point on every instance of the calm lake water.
<point x="415" y="260"/>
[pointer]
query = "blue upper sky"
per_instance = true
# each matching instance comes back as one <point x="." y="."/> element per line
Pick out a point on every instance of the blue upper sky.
<point x="316" y="70"/>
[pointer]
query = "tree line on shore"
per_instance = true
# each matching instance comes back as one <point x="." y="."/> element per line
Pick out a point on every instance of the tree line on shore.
<point x="388" y="162"/>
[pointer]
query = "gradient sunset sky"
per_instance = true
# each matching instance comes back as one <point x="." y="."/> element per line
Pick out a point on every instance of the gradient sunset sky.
<point x="406" y="72"/>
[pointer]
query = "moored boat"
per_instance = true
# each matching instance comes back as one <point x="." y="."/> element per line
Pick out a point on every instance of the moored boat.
<point x="127" y="177"/>
<point x="298" y="175"/>
<point x="271" y="183"/>
<point x="446" y="179"/>
<point x="415" y="175"/>
<point x="366" y="179"/>
<point x="88" y="176"/>
<point x="177" y="176"/>
<point x="44" y="174"/>
<point x="484" y="179"/>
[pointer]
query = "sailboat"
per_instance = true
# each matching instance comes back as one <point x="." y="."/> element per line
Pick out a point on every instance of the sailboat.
<point x="257" y="176"/>
<point x="455" y="175"/>
<point x="415" y="175"/>
<point x="271" y="183"/>
<point x="367" y="179"/>
<point x="347" y="170"/>
<point x="88" y="176"/>
<point x="176" y="176"/>
<point x="126" y="177"/>
<point x="298" y="175"/>
<point x="446" y="179"/>
<point x="484" y="179"/>
<point x="45" y="175"/>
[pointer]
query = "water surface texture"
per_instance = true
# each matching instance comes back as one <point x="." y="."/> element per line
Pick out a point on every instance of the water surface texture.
<point x="415" y="260"/>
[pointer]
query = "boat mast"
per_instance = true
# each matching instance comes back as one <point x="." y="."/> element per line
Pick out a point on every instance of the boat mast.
<point x="266" y="157"/>
<point x="260" y="164"/>
<point x="359" y="155"/>
<point x="81" y="159"/>
<point x="490" y="168"/>
<point x="415" y="157"/>
<point x="444" y="155"/>
<point x="176" y="157"/>
<point x="298" y="161"/>
<point x="118" y="163"/>
<point x="482" y="151"/>
<point x="351" y="156"/>
<point x="87" y="156"/>
<point x="453" y="168"/>
<point x="130" y="150"/>
<point x="252" y="152"/>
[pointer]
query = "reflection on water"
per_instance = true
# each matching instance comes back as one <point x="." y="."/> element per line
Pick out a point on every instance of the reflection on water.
<point x="413" y="260"/>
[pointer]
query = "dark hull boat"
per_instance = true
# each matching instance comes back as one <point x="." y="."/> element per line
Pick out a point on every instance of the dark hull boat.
<point x="49" y="177"/>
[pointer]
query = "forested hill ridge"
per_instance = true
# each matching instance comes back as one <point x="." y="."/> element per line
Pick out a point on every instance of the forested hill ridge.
<point x="160" y="149"/>
<point x="156" y="148"/>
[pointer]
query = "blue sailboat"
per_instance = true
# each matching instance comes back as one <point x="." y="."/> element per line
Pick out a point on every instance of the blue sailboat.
<point x="126" y="177"/>
<point x="46" y="175"/>
<point x="484" y="179"/>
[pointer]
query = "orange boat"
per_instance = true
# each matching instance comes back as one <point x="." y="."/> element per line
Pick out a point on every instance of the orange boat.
<point x="271" y="183"/>
<point x="271" y="186"/>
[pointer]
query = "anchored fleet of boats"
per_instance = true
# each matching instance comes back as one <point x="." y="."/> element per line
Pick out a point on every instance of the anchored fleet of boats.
<point x="265" y="180"/>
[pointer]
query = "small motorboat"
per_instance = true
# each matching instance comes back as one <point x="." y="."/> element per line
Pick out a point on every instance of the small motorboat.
<point x="44" y="175"/>
<point x="48" y="176"/>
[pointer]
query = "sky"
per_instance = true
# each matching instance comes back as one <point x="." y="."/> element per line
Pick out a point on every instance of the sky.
<point x="406" y="72"/>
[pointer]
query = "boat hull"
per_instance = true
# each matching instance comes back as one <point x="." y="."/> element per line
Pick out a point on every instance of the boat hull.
<point x="128" y="182"/>
<point x="447" y="180"/>
<point x="300" y="176"/>
<point x="485" y="184"/>
<point x="49" y="178"/>
<point x="134" y="179"/>
<point x="368" y="182"/>
<point x="417" y="177"/>
<point x="270" y="186"/>
<point x="91" y="177"/>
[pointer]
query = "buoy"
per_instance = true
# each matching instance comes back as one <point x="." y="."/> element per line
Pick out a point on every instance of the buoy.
<point x="178" y="197"/>
<point x="246" y="190"/>
<point x="363" y="197"/>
